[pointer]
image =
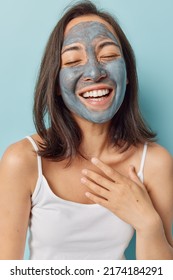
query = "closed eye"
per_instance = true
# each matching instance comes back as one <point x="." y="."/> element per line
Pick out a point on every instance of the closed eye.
<point x="72" y="63"/>
<point x="72" y="55"/>
<point x="109" y="57"/>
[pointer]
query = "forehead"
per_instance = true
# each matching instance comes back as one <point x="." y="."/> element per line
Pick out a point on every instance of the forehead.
<point x="87" y="28"/>
<point x="91" y="17"/>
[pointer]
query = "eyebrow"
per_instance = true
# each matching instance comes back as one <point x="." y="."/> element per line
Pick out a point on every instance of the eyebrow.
<point x="108" y="43"/>
<point x="72" y="48"/>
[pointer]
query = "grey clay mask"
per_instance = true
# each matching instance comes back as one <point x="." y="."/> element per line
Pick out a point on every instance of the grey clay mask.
<point x="101" y="76"/>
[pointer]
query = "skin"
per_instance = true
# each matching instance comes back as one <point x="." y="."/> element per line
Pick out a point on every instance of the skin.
<point x="110" y="180"/>
<point x="91" y="61"/>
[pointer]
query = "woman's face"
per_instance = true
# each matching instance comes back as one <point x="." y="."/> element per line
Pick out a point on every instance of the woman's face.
<point x="92" y="77"/>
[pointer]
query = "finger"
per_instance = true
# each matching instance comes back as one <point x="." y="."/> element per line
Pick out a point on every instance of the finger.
<point x="95" y="188"/>
<point x="97" y="178"/>
<point x="134" y="177"/>
<point x="97" y="199"/>
<point x="107" y="170"/>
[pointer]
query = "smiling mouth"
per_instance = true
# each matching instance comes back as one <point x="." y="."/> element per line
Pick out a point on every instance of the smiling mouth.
<point x="98" y="95"/>
<point x="97" y="99"/>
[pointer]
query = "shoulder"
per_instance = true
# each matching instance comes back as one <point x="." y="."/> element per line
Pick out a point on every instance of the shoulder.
<point x="19" y="162"/>
<point x="159" y="161"/>
<point x="159" y="182"/>
<point x="20" y="154"/>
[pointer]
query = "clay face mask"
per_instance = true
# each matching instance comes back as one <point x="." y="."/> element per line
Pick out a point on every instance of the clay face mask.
<point x="92" y="77"/>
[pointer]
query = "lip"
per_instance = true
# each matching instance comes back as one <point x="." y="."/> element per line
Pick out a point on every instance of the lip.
<point x="93" y="87"/>
<point x="97" y="104"/>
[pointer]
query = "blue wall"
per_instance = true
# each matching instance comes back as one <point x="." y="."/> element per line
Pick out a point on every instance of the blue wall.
<point x="24" y="29"/>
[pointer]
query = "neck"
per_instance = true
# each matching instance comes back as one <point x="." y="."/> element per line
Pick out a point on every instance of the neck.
<point x="95" y="138"/>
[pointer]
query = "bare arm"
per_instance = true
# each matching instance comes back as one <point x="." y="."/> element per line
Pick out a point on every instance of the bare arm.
<point x="155" y="240"/>
<point x="15" y="193"/>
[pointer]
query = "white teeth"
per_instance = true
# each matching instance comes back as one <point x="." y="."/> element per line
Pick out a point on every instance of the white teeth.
<point x="96" y="93"/>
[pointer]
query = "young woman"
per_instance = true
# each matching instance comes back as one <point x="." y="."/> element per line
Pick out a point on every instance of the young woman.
<point x="93" y="174"/>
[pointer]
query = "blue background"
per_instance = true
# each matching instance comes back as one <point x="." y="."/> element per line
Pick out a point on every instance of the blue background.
<point x="25" y="26"/>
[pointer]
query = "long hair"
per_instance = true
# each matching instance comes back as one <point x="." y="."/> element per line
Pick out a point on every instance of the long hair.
<point x="61" y="135"/>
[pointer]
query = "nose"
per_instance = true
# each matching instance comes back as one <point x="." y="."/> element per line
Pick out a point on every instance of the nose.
<point x="94" y="72"/>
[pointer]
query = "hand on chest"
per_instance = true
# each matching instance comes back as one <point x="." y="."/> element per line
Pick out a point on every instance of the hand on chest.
<point x="66" y="182"/>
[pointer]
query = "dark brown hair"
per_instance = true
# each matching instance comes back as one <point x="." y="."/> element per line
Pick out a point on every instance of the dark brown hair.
<point x="54" y="123"/>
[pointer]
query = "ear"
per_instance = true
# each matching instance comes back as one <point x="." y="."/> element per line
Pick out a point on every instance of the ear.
<point x="127" y="81"/>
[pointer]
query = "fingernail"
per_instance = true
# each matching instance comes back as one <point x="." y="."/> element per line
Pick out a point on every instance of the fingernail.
<point x="84" y="171"/>
<point x="83" y="180"/>
<point x="87" y="194"/>
<point x="94" y="160"/>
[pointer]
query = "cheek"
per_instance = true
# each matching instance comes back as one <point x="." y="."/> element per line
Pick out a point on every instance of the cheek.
<point x="68" y="78"/>
<point x="117" y="71"/>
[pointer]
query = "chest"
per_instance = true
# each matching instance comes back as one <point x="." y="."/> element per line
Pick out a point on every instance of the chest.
<point x="65" y="182"/>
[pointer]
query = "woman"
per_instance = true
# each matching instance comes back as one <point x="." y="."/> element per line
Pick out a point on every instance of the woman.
<point x="93" y="174"/>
